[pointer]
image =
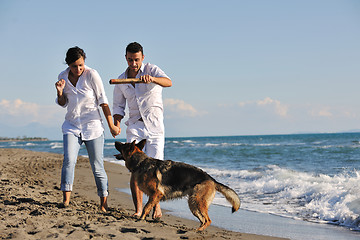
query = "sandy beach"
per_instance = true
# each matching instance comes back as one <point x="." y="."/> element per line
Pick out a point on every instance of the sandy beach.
<point x="30" y="197"/>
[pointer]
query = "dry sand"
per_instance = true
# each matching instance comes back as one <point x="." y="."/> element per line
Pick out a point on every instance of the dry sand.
<point x="30" y="197"/>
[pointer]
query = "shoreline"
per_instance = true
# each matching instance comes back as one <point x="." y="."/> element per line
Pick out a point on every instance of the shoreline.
<point x="29" y="197"/>
<point x="268" y="224"/>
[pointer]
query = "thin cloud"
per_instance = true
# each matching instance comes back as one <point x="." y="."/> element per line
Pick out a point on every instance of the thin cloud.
<point x="274" y="106"/>
<point x="280" y="109"/>
<point x="177" y="107"/>
<point x="325" y="112"/>
<point x="305" y="112"/>
<point x="18" y="108"/>
<point x="22" y="113"/>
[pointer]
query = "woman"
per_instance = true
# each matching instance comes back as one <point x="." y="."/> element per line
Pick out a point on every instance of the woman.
<point x="80" y="89"/>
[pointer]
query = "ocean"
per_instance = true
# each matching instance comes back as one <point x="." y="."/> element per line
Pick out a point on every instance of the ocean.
<point x="306" y="178"/>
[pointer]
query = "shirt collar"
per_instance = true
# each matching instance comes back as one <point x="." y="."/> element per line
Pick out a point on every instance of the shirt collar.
<point x="141" y="70"/>
<point x="142" y="67"/>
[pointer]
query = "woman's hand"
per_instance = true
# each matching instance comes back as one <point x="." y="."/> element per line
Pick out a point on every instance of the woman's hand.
<point x="60" y="85"/>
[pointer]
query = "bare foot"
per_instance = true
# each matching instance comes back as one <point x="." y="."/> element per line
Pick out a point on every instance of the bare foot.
<point x="137" y="215"/>
<point x="103" y="208"/>
<point x="103" y="204"/>
<point x="64" y="205"/>
<point x="66" y="199"/>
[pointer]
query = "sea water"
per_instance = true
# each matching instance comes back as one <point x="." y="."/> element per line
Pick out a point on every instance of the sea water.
<point x="305" y="177"/>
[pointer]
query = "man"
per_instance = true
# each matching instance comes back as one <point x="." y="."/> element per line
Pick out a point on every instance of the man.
<point x="145" y="111"/>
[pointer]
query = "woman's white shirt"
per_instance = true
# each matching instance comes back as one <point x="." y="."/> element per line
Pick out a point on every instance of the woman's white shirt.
<point x="83" y="118"/>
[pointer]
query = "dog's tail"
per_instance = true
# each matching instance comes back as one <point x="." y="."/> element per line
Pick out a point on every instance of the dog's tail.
<point x="229" y="194"/>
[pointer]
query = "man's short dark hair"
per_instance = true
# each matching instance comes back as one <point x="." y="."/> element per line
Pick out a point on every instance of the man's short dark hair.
<point x="134" y="47"/>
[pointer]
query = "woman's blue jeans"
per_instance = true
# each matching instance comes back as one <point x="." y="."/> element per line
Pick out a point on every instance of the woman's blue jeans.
<point x="95" y="149"/>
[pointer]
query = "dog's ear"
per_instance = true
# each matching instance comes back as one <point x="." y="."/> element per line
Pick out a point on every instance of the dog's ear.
<point x="118" y="145"/>
<point x="141" y="144"/>
<point x="132" y="146"/>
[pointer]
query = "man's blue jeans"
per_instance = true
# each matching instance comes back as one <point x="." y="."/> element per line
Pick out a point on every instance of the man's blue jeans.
<point x="95" y="149"/>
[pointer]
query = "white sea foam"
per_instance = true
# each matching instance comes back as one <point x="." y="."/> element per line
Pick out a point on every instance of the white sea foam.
<point x="298" y="195"/>
<point x="266" y="144"/>
<point x="16" y="144"/>
<point x="30" y="144"/>
<point x="224" y="144"/>
<point x="212" y="144"/>
<point x="55" y="145"/>
<point x="235" y="144"/>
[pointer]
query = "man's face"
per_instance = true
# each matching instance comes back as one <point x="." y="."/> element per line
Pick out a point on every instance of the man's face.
<point x="134" y="61"/>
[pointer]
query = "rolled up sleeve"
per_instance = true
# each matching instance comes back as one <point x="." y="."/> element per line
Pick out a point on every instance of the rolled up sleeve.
<point x="119" y="101"/>
<point x="99" y="88"/>
<point x="57" y="102"/>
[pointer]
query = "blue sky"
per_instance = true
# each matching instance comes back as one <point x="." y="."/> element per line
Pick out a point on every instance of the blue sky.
<point x="238" y="67"/>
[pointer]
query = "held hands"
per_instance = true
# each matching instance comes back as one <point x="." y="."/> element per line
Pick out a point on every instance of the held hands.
<point x="115" y="130"/>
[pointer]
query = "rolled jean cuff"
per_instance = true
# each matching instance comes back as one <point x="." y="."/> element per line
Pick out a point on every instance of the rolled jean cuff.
<point x="103" y="194"/>
<point x="66" y="187"/>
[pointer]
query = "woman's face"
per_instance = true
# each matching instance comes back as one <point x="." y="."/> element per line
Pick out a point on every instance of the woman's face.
<point x="77" y="67"/>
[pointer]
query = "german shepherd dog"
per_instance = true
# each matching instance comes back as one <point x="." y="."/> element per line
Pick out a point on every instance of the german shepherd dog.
<point x="164" y="180"/>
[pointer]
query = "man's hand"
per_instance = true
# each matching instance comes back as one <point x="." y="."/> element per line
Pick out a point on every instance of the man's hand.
<point x="162" y="81"/>
<point x="147" y="78"/>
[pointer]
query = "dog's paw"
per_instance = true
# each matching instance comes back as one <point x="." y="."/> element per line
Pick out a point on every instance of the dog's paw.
<point x="157" y="219"/>
<point x="139" y="220"/>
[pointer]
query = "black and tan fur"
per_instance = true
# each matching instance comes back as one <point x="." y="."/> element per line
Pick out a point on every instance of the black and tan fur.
<point x="164" y="180"/>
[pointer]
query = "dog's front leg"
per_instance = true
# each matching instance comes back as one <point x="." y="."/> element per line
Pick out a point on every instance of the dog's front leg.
<point x="153" y="200"/>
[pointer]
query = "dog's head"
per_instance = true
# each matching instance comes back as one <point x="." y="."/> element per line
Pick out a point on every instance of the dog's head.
<point x="127" y="150"/>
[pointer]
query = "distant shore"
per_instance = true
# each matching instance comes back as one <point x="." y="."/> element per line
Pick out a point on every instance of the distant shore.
<point x="22" y="139"/>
